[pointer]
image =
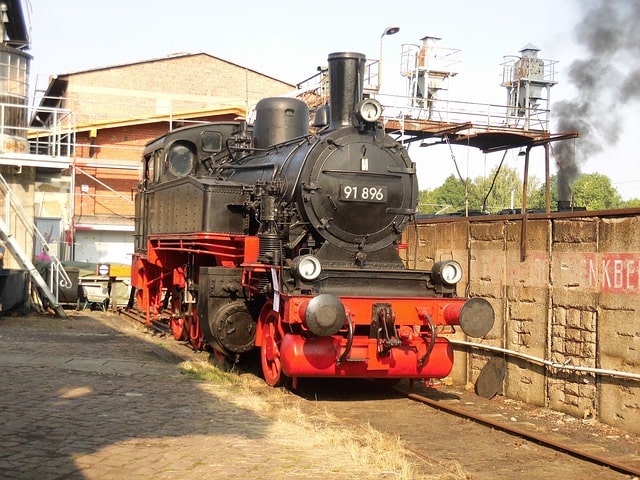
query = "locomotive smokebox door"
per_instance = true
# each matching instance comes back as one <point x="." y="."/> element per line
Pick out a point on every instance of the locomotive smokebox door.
<point x="360" y="194"/>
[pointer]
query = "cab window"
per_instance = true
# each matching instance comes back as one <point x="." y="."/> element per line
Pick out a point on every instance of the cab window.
<point x="149" y="168"/>
<point x="211" y="142"/>
<point x="157" y="168"/>
<point x="180" y="159"/>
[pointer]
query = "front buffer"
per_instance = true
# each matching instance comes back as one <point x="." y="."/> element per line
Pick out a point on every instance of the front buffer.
<point x="382" y="338"/>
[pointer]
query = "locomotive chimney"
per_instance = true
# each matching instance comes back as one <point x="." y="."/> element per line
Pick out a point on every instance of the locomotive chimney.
<point x="346" y="80"/>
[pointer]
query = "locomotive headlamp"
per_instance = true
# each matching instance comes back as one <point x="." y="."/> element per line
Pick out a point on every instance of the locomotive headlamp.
<point x="306" y="267"/>
<point x="369" y="110"/>
<point x="447" y="272"/>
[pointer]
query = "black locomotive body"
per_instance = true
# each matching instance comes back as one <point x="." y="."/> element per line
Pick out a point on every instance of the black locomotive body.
<point x="275" y="238"/>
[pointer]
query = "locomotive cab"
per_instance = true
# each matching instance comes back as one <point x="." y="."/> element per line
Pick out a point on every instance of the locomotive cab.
<point x="177" y="156"/>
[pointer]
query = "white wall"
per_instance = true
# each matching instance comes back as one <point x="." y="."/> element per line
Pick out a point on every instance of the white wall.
<point x="103" y="247"/>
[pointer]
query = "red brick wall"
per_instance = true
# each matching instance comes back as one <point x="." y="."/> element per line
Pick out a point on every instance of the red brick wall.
<point x="144" y="98"/>
<point x="97" y="200"/>
<point x="167" y="86"/>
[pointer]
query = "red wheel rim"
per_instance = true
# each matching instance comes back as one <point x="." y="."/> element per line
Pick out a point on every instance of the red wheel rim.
<point x="177" y="322"/>
<point x="270" y="351"/>
<point x="195" y="332"/>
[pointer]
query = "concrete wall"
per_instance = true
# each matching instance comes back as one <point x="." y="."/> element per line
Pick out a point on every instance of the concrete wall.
<point x="21" y="184"/>
<point x="569" y="294"/>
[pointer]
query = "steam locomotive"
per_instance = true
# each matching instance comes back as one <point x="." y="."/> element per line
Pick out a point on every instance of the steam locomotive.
<point x="270" y="237"/>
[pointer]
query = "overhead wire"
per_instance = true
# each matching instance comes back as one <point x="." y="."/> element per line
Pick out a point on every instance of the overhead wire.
<point x="493" y="182"/>
<point x="464" y="181"/>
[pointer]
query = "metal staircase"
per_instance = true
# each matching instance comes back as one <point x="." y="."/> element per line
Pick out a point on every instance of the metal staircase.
<point x="21" y="222"/>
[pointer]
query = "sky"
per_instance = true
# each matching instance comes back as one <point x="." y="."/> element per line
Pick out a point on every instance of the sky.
<point x="289" y="39"/>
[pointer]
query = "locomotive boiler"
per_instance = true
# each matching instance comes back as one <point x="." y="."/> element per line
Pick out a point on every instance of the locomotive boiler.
<point x="268" y="236"/>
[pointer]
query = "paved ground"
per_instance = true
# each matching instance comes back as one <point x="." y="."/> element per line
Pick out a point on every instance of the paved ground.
<point x="88" y="398"/>
<point x="95" y="397"/>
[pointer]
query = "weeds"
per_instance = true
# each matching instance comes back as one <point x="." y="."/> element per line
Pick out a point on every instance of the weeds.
<point x="355" y="451"/>
<point x="206" y="373"/>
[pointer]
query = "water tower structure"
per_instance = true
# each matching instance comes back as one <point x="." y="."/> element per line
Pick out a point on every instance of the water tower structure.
<point x="14" y="86"/>
<point x="428" y="68"/>
<point x="528" y="80"/>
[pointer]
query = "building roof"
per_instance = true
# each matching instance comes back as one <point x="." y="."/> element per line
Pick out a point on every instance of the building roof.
<point x="236" y="110"/>
<point x="164" y="59"/>
<point x="57" y="87"/>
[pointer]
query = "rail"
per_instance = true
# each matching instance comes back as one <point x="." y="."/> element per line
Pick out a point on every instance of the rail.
<point x="546" y="441"/>
<point x="483" y="116"/>
<point x="404" y="109"/>
<point x="52" y="130"/>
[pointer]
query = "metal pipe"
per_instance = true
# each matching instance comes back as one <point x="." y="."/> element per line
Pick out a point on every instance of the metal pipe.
<point x="549" y="363"/>
<point x="547" y="179"/>
<point x="525" y="192"/>
<point x="78" y="169"/>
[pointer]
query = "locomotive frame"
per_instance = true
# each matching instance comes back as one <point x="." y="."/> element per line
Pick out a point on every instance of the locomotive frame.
<point x="272" y="237"/>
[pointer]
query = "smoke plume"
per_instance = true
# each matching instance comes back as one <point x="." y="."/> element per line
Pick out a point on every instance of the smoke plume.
<point x="606" y="80"/>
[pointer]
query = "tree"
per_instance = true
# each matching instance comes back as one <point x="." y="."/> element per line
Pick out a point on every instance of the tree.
<point x="594" y="191"/>
<point x="631" y="203"/>
<point x="447" y="198"/>
<point x="503" y="190"/>
<point x="591" y="190"/>
<point x="537" y="196"/>
<point x="428" y="203"/>
<point x="494" y="193"/>
<point x="487" y="195"/>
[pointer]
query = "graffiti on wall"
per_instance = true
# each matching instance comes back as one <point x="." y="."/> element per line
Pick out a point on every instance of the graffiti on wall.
<point x="610" y="272"/>
<point x="613" y="272"/>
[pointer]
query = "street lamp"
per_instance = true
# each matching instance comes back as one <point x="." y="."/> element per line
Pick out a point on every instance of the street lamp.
<point x="387" y="31"/>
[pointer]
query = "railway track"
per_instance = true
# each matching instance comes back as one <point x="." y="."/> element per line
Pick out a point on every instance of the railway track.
<point x="495" y="440"/>
<point x="489" y="439"/>
<point x="531" y="436"/>
<point x="137" y="316"/>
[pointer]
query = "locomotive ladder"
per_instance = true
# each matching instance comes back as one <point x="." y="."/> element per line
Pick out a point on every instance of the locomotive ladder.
<point x="59" y="277"/>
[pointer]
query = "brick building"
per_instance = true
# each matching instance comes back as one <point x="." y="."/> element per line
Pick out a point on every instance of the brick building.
<point x="116" y="110"/>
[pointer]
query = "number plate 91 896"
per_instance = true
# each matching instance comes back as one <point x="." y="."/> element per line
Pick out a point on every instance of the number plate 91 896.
<point x="363" y="193"/>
